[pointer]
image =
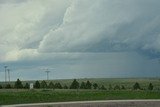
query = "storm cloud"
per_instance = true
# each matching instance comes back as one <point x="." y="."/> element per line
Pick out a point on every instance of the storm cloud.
<point x="105" y="25"/>
<point x="119" y="36"/>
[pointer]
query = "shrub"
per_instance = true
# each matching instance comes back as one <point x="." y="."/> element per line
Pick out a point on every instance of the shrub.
<point x="8" y="86"/>
<point x="95" y="85"/>
<point x="58" y="86"/>
<point x="103" y="87"/>
<point x="74" y="85"/>
<point x="1" y="87"/>
<point x="51" y="85"/>
<point x="88" y="85"/>
<point x="150" y="87"/>
<point x="110" y="87"/>
<point x="43" y="84"/>
<point x="65" y="87"/>
<point x="136" y="86"/>
<point x="18" y="84"/>
<point x="37" y="84"/>
<point x="83" y="85"/>
<point x="122" y="87"/>
<point x="26" y="86"/>
<point x="117" y="87"/>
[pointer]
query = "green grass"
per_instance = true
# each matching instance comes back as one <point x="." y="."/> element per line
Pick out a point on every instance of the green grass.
<point x="40" y="96"/>
<point x="14" y="96"/>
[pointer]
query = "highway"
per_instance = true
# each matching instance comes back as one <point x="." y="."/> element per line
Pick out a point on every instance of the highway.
<point x="101" y="103"/>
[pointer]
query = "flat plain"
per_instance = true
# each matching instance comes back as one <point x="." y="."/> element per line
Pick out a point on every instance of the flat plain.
<point x="21" y="96"/>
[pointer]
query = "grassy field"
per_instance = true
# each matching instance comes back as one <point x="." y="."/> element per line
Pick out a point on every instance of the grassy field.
<point x="14" y="96"/>
<point x="127" y="82"/>
<point x="40" y="96"/>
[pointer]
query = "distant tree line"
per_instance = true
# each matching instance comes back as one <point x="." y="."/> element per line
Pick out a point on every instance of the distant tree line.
<point x="17" y="85"/>
<point x="74" y="85"/>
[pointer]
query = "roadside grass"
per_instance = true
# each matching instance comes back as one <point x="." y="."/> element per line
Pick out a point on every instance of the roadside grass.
<point x="41" y="96"/>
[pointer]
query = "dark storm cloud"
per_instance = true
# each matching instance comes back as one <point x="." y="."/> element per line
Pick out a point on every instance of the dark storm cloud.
<point x="80" y="38"/>
<point x="105" y="25"/>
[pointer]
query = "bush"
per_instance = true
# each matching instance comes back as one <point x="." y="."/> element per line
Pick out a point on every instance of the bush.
<point x="122" y="87"/>
<point x="37" y="85"/>
<point x="18" y="84"/>
<point x="83" y="85"/>
<point x="65" y="87"/>
<point x="88" y="85"/>
<point x="74" y="85"/>
<point x="1" y="87"/>
<point x="8" y="86"/>
<point x="150" y="87"/>
<point x="26" y="86"/>
<point x="117" y="87"/>
<point x="103" y="87"/>
<point x="58" y="86"/>
<point x="95" y="85"/>
<point x="136" y="86"/>
<point x="110" y="87"/>
<point x="43" y="84"/>
<point x="51" y="85"/>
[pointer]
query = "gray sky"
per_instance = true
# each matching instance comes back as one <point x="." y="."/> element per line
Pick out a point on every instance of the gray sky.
<point x="80" y="38"/>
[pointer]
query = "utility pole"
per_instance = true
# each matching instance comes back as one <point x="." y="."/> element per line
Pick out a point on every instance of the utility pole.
<point x="8" y="75"/>
<point x="47" y="74"/>
<point x="5" y="67"/>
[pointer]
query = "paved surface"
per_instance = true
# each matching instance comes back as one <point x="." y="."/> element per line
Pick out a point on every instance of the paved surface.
<point x="104" y="103"/>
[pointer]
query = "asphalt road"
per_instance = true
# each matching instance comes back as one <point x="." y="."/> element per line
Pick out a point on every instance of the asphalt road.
<point x="103" y="103"/>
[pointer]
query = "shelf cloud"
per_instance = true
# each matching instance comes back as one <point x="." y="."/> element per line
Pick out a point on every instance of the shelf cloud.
<point x="105" y="25"/>
<point x="70" y="30"/>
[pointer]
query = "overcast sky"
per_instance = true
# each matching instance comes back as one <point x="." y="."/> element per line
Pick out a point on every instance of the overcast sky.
<point x="80" y="38"/>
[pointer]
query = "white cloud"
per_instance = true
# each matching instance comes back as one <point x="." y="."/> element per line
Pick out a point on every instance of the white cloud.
<point x="76" y="36"/>
<point x="24" y="25"/>
<point x="105" y="25"/>
<point x="33" y="29"/>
